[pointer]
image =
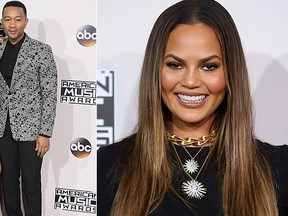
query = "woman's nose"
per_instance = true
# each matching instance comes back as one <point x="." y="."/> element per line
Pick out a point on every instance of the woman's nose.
<point x="191" y="78"/>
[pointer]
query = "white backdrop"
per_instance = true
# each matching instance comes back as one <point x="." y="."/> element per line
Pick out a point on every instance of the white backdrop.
<point x="123" y="29"/>
<point x="56" y="23"/>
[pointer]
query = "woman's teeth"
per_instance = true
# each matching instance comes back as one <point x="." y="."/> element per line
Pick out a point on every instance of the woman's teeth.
<point x="191" y="99"/>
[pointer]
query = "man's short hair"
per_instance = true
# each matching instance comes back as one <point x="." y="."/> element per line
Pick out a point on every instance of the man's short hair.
<point x="15" y="4"/>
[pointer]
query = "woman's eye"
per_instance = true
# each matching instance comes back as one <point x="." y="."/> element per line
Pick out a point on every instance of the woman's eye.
<point x="174" y="65"/>
<point x="209" y="66"/>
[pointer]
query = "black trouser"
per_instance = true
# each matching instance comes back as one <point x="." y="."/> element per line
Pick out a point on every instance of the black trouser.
<point x="20" y="157"/>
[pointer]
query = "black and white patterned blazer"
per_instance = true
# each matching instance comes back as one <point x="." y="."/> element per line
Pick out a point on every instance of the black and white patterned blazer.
<point x="32" y="97"/>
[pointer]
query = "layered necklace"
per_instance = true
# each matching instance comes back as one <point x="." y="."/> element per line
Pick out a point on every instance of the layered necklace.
<point x="192" y="188"/>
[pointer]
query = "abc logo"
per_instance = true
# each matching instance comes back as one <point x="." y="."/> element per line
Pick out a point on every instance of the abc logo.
<point x="80" y="147"/>
<point x="86" y="35"/>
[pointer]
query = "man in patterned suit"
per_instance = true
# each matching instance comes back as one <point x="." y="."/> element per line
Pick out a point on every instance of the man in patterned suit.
<point x="28" y="85"/>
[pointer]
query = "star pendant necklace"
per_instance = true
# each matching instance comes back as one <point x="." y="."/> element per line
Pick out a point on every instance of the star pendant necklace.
<point x="192" y="188"/>
<point x="191" y="165"/>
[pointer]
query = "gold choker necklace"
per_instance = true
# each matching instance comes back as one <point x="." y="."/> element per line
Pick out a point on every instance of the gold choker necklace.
<point x="191" y="141"/>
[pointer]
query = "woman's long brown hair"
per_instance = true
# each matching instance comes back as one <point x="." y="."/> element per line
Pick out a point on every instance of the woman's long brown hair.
<point x="247" y="184"/>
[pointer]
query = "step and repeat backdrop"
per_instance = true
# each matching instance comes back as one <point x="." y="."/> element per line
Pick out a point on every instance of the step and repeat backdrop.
<point x="122" y="34"/>
<point x="69" y="168"/>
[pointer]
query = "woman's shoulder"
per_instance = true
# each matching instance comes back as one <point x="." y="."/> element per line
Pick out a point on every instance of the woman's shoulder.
<point x="274" y="152"/>
<point x="109" y="150"/>
<point x="111" y="160"/>
<point x="277" y="157"/>
<point x="110" y="155"/>
<point x="113" y="150"/>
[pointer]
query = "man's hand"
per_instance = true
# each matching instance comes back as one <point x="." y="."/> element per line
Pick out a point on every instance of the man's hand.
<point x="42" y="145"/>
<point x="1" y="40"/>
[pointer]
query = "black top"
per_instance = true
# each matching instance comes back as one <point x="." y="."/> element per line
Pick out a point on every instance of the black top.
<point x="9" y="58"/>
<point x="209" y="204"/>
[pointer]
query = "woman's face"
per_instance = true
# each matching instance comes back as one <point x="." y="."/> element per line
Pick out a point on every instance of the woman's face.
<point x="193" y="80"/>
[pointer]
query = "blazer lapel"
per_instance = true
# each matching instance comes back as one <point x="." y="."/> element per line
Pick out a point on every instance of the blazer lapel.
<point x="3" y="83"/>
<point x="21" y="63"/>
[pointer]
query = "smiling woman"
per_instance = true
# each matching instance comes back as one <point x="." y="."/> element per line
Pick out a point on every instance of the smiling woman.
<point x="193" y="80"/>
<point x="194" y="151"/>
